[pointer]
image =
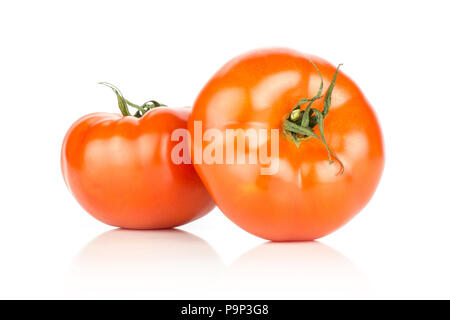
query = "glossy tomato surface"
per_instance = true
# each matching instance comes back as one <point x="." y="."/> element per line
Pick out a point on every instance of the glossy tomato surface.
<point x="120" y="170"/>
<point x="306" y="198"/>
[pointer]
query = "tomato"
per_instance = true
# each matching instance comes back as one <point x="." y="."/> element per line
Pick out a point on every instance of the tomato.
<point x="306" y="197"/>
<point x="119" y="168"/>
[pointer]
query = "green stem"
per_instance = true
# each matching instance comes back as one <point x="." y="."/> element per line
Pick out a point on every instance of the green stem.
<point x="300" y="124"/>
<point x="124" y="103"/>
<point x="135" y="106"/>
<point x="120" y="99"/>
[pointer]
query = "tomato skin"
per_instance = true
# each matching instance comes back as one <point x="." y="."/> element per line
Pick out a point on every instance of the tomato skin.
<point x="120" y="170"/>
<point x="306" y="199"/>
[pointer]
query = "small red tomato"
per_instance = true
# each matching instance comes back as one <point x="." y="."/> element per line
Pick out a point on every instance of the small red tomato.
<point x="329" y="150"/>
<point x="119" y="168"/>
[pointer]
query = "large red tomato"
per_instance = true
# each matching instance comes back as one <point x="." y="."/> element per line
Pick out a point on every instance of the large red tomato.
<point x="330" y="144"/>
<point x="120" y="170"/>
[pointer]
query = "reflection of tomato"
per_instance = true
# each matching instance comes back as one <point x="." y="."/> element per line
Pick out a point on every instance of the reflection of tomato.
<point x="119" y="169"/>
<point x="153" y="262"/>
<point x="309" y="261"/>
<point x="306" y="198"/>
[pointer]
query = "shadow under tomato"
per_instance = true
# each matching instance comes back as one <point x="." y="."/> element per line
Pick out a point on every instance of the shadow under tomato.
<point x="166" y="260"/>
<point x="281" y="268"/>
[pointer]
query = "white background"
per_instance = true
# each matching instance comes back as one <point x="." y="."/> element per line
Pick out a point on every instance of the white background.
<point x="53" y="53"/>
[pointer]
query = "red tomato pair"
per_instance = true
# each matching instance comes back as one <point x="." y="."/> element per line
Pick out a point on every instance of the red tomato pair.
<point x="322" y="138"/>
